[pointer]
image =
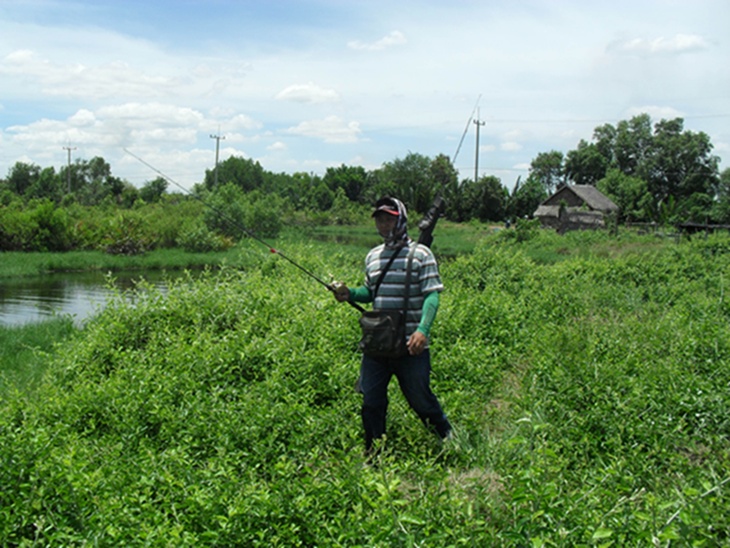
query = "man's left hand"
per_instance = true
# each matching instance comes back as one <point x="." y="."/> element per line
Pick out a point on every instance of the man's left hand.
<point x="416" y="343"/>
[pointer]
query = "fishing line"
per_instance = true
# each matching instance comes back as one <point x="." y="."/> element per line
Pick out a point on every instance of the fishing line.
<point x="239" y="225"/>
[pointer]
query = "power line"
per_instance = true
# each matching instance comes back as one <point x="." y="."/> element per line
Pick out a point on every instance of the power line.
<point x="466" y="129"/>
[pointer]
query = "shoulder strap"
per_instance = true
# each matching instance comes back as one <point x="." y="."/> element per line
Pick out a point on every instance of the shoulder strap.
<point x="411" y="252"/>
<point x="382" y="274"/>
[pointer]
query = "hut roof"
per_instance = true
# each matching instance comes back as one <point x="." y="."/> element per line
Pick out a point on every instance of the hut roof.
<point x="588" y="194"/>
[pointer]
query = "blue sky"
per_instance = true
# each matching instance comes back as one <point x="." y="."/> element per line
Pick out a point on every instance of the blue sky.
<point x="304" y="85"/>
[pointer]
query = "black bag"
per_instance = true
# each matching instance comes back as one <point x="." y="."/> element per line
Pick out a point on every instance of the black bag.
<point x="384" y="331"/>
<point x="383" y="334"/>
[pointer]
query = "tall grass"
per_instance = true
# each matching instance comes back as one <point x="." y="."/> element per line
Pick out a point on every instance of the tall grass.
<point x="19" y="264"/>
<point x="590" y="397"/>
<point x="24" y="352"/>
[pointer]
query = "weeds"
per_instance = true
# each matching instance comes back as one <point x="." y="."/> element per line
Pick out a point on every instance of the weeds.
<point x="590" y="396"/>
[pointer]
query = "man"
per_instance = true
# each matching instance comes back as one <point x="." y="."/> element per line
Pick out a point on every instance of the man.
<point x="414" y="369"/>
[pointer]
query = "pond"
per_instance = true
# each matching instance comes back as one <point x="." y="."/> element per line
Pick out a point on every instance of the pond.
<point x="78" y="294"/>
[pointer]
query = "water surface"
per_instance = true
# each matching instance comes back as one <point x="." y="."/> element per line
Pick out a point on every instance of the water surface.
<point x="79" y="295"/>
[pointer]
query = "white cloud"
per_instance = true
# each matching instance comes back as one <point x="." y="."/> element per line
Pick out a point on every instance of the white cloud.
<point x="278" y="145"/>
<point x="308" y="93"/>
<point x="83" y="117"/>
<point x="679" y="43"/>
<point x="510" y="146"/>
<point x="241" y="122"/>
<point x="102" y="80"/>
<point x="395" y="38"/>
<point x="331" y="130"/>
<point x="77" y="80"/>
<point x="655" y="112"/>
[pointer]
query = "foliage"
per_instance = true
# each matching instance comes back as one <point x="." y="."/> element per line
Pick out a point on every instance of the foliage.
<point x="197" y="237"/>
<point x="126" y="234"/>
<point x="152" y="191"/>
<point x="485" y="200"/>
<point x="40" y="226"/>
<point x="721" y="208"/>
<point x="525" y="198"/>
<point x="590" y="396"/>
<point x="660" y="163"/>
<point x="629" y="193"/>
<point x="586" y="165"/>
<point x="244" y="173"/>
<point x="547" y="168"/>
<point x="24" y="352"/>
<point x="351" y="180"/>
<point x="644" y="166"/>
<point x="234" y="214"/>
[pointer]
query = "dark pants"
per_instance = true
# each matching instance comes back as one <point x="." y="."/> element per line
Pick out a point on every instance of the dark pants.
<point x="413" y="374"/>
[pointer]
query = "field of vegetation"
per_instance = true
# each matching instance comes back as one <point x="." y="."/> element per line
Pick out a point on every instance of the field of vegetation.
<point x="588" y="378"/>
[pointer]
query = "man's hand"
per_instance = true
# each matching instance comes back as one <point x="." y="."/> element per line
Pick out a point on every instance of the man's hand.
<point x="416" y="343"/>
<point x="341" y="291"/>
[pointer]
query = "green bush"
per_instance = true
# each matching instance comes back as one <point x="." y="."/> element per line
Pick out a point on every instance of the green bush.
<point x="196" y="237"/>
<point x="590" y="397"/>
<point x="39" y="226"/>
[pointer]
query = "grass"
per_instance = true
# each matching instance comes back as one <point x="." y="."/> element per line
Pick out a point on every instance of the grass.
<point x="589" y="389"/>
<point x="19" y="264"/>
<point x="24" y="352"/>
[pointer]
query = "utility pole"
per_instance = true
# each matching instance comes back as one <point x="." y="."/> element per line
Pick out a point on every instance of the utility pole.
<point x="217" y="147"/>
<point x="478" y="123"/>
<point x="68" y="169"/>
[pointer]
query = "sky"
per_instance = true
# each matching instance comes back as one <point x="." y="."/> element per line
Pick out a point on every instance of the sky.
<point x="300" y="86"/>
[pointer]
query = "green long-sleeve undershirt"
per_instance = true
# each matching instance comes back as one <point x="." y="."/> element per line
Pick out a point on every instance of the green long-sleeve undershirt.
<point x="428" y="312"/>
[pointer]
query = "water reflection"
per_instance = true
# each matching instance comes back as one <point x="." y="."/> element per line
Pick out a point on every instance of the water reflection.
<point x="79" y="295"/>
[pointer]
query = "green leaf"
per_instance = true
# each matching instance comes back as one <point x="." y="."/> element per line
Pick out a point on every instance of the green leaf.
<point x="601" y="533"/>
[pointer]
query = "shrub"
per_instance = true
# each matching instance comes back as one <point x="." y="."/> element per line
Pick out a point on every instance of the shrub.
<point x="590" y="397"/>
<point x="197" y="238"/>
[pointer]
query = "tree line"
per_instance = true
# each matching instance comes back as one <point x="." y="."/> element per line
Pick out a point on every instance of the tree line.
<point x="655" y="173"/>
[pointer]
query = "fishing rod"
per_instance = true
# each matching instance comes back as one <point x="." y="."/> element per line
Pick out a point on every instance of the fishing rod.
<point x="425" y="226"/>
<point x="240" y="226"/>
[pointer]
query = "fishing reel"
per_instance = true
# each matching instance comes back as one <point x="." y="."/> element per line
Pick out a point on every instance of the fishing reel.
<point x="428" y="223"/>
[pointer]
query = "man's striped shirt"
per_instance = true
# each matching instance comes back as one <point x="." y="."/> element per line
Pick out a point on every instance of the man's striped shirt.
<point x="425" y="278"/>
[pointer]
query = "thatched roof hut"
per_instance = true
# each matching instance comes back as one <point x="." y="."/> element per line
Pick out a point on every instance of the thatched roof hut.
<point x="576" y="207"/>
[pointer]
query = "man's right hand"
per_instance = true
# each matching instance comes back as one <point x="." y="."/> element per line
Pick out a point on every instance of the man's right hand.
<point x="341" y="291"/>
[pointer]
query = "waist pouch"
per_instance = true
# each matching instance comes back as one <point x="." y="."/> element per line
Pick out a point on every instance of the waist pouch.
<point x="383" y="334"/>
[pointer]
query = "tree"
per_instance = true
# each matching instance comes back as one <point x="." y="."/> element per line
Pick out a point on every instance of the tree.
<point x="351" y="179"/>
<point x="227" y="211"/>
<point x="411" y="180"/>
<point x="92" y="181"/>
<point x="22" y="176"/>
<point x="485" y="200"/>
<point x="153" y="190"/>
<point x="245" y="173"/>
<point x="721" y="208"/>
<point x="320" y="197"/>
<point x="629" y="193"/>
<point x="47" y="185"/>
<point x="547" y="168"/>
<point x="525" y="198"/>
<point x="586" y="165"/>
<point x="672" y="162"/>
<point x="632" y="145"/>
<point x="680" y="163"/>
<point x="445" y="179"/>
